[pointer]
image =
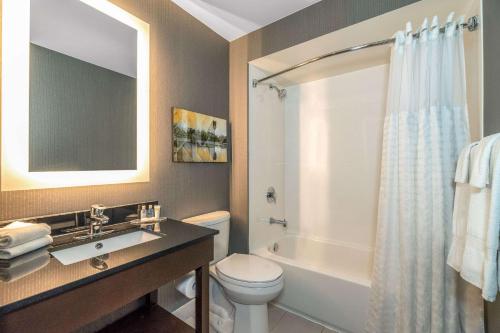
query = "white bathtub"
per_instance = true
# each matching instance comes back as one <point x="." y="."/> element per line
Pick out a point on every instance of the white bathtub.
<point x="325" y="281"/>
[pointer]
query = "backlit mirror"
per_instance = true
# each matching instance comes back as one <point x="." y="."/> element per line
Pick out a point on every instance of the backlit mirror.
<point x="75" y="86"/>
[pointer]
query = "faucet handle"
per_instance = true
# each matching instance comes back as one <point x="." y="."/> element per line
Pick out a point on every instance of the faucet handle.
<point x="97" y="210"/>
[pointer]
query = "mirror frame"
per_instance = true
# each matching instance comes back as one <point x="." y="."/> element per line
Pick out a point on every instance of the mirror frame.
<point x="15" y="173"/>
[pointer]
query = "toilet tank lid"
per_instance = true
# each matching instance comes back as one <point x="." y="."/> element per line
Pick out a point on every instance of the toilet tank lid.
<point x="209" y="218"/>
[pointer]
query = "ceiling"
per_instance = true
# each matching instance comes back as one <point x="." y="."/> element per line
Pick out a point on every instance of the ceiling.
<point x="235" y="18"/>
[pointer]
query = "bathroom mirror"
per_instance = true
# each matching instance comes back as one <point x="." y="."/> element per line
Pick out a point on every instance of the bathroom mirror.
<point x="75" y="86"/>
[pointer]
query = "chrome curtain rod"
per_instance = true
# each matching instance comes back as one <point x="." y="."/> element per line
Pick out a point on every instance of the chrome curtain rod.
<point x="472" y="24"/>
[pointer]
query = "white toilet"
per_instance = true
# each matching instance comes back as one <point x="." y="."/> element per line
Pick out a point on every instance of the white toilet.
<point x="249" y="282"/>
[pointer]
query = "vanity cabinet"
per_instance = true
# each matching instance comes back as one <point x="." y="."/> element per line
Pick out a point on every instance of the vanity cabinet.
<point x="133" y="273"/>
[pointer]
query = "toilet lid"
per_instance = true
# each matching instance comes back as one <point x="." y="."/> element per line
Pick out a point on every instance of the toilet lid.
<point x="249" y="268"/>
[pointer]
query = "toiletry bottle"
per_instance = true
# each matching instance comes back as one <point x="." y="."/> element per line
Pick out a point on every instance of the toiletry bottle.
<point x="143" y="212"/>
<point x="151" y="212"/>
<point x="157" y="209"/>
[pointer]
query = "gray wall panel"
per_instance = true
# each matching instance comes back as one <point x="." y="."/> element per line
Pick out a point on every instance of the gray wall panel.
<point x="491" y="43"/>
<point x="82" y="117"/>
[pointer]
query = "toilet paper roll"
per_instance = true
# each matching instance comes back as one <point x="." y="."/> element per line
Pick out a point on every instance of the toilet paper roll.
<point x="186" y="285"/>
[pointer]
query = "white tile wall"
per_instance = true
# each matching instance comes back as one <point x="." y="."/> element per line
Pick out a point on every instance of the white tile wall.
<point x="266" y="161"/>
<point x="333" y="140"/>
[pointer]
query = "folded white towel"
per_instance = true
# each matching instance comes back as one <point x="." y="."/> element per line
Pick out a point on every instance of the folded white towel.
<point x="186" y="285"/>
<point x="23" y="267"/>
<point x="491" y="276"/>
<point x="461" y="206"/>
<point x="17" y="233"/>
<point x="222" y="311"/>
<point x="478" y="216"/>
<point x="25" y="247"/>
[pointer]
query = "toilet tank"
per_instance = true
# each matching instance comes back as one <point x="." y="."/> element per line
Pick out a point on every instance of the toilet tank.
<point x="215" y="220"/>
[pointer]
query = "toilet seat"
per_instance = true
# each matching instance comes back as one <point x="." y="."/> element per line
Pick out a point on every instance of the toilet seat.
<point x="249" y="271"/>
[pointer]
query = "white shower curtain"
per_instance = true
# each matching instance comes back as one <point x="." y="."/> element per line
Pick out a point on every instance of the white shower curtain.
<point x="426" y="125"/>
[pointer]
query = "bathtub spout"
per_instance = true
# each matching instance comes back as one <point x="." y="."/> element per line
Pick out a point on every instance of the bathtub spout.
<point x="283" y="222"/>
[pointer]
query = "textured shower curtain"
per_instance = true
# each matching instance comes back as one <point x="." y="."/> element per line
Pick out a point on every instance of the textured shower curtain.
<point x="426" y="125"/>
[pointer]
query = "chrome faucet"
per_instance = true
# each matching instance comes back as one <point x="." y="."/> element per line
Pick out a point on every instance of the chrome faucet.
<point x="97" y="219"/>
<point x="283" y="222"/>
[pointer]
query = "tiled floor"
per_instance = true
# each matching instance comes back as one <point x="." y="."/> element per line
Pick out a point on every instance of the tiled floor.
<point x="281" y="321"/>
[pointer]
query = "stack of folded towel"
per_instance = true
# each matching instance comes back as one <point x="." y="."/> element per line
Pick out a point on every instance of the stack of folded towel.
<point x="476" y="216"/>
<point x="19" y="238"/>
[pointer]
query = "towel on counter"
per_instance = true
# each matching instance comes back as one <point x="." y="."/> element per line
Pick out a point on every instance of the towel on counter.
<point x="17" y="233"/>
<point x="491" y="263"/>
<point x="461" y="205"/>
<point x="25" y="247"/>
<point x="15" y="269"/>
<point x="474" y="254"/>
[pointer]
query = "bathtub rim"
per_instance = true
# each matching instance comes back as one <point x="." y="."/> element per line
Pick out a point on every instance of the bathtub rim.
<point x="265" y="252"/>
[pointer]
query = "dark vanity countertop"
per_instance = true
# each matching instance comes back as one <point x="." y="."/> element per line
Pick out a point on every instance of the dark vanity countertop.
<point x="56" y="278"/>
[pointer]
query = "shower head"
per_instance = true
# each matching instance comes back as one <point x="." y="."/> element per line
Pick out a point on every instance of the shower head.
<point x="281" y="92"/>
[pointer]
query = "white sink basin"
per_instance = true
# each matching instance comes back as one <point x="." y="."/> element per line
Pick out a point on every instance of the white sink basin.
<point x="86" y="251"/>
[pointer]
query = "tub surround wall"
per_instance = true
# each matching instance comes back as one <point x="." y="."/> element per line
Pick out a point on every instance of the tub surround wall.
<point x="266" y="131"/>
<point x="333" y="140"/>
<point x="189" y="68"/>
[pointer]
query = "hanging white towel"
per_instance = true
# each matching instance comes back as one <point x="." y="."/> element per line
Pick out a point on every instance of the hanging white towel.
<point x="491" y="276"/>
<point x="461" y="205"/>
<point x="480" y="175"/>
<point x="478" y="215"/>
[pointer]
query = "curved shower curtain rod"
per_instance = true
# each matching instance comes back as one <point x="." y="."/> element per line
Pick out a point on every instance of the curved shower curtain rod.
<point x="472" y="25"/>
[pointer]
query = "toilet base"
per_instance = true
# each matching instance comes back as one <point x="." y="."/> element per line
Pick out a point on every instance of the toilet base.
<point x="250" y="318"/>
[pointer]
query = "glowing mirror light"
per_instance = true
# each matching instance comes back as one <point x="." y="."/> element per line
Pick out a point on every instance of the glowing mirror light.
<point x="15" y="173"/>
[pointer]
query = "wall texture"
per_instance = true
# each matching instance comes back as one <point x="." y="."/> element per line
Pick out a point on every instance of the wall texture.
<point x="266" y="160"/>
<point x="189" y="68"/>
<point x="491" y="33"/>
<point x="316" y="20"/>
<point x="491" y="28"/>
<point x="326" y="196"/>
<point x="82" y="116"/>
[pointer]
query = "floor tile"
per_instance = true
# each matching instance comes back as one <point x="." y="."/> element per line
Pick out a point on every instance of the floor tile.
<point x="291" y="323"/>
<point x="274" y="316"/>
